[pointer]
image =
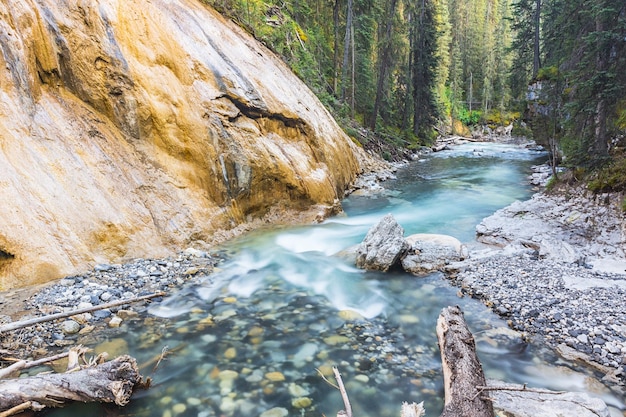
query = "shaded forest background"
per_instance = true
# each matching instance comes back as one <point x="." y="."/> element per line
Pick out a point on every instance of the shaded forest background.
<point x="397" y="74"/>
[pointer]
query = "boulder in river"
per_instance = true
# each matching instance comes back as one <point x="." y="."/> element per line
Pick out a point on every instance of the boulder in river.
<point x="432" y="252"/>
<point x="383" y="246"/>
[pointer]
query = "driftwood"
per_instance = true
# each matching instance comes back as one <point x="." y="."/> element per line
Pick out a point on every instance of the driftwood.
<point x="29" y="322"/>
<point x="344" y="394"/>
<point x="109" y="382"/>
<point x="22" y="364"/>
<point x="412" y="410"/>
<point x="462" y="372"/>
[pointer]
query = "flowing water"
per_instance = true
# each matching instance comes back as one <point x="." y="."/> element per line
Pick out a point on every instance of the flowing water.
<point x="259" y="336"/>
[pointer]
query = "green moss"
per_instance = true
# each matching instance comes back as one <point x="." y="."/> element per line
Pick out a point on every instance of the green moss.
<point x="612" y="177"/>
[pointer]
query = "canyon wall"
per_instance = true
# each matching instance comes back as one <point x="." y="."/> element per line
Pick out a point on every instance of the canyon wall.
<point x="133" y="128"/>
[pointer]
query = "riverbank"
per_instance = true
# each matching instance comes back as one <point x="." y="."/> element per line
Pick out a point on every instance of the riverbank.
<point x="555" y="269"/>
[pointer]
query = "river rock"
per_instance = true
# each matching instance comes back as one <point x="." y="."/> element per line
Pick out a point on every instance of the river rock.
<point x="275" y="412"/>
<point x="70" y="327"/>
<point x="518" y="402"/>
<point x="383" y="246"/>
<point x="431" y="252"/>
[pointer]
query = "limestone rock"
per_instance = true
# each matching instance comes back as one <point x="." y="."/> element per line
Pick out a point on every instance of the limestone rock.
<point x="383" y="246"/>
<point x="131" y="129"/>
<point x="577" y="227"/>
<point x="549" y="404"/>
<point x="558" y="250"/>
<point x="432" y="252"/>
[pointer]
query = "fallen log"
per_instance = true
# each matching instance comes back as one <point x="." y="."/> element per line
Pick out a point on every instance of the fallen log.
<point x="462" y="372"/>
<point x="109" y="382"/>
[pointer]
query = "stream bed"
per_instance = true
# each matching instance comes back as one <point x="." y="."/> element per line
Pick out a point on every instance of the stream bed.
<point x="259" y="336"/>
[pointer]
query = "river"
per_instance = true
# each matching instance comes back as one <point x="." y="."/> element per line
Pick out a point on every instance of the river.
<point x="260" y="335"/>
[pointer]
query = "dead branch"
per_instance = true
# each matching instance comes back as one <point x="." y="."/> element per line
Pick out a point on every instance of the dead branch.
<point x="522" y="389"/>
<point x="342" y="390"/>
<point x="110" y="382"/>
<point x="412" y="410"/>
<point x="17" y="409"/>
<point x="462" y="371"/>
<point x="29" y="322"/>
<point x="22" y="364"/>
<point x="10" y="370"/>
<point x="326" y="379"/>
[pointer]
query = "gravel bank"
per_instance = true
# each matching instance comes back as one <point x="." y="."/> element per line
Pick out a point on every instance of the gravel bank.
<point x="555" y="269"/>
<point x="576" y="310"/>
<point x="104" y="284"/>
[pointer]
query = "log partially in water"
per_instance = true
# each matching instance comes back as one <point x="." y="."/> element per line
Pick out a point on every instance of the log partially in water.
<point x="462" y="372"/>
<point x="109" y="382"/>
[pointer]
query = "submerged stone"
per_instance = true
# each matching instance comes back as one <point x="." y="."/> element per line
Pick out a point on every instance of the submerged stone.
<point x="301" y="402"/>
<point x="275" y="412"/>
<point x="275" y="376"/>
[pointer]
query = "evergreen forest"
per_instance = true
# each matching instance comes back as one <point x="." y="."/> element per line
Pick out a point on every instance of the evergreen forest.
<point x="397" y="74"/>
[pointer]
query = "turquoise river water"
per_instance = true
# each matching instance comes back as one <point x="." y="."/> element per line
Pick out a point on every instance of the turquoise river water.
<point x="255" y="337"/>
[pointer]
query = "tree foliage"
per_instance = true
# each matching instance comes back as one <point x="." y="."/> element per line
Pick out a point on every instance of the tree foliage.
<point x="582" y="83"/>
<point x="405" y="68"/>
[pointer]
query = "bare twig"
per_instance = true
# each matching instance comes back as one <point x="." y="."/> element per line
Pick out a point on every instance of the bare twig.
<point x="524" y="389"/>
<point x="22" y="364"/>
<point x="325" y="379"/>
<point x="342" y="390"/>
<point x="19" y="365"/>
<point x="25" y="323"/>
<point x="17" y="409"/>
<point x="163" y="353"/>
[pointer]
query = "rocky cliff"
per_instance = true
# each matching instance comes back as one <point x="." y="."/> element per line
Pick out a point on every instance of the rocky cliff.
<point x="130" y="128"/>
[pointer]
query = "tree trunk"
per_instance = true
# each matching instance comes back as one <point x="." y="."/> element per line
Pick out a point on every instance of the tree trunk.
<point x="537" y="40"/>
<point x="408" y="98"/>
<point x="462" y="371"/>
<point x="336" y="47"/>
<point x="110" y="382"/>
<point x="384" y="63"/>
<point x="419" y="83"/>
<point x="346" y="51"/>
<point x="352" y="73"/>
<point x="600" y="148"/>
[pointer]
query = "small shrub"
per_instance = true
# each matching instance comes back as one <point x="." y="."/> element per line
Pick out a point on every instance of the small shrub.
<point x="469" y="118"/>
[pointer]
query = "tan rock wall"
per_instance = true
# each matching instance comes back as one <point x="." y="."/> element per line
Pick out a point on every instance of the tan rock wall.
<point x="131" y="128"/>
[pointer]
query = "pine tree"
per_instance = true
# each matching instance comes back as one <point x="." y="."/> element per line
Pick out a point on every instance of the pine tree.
<point x="424" y="68"/>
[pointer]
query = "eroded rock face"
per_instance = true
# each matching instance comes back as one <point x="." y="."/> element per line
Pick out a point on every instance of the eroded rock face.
<point x="131" y="128"/>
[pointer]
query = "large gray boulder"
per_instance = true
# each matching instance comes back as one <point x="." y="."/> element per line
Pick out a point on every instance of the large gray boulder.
<point x="515" y="401"/>
<point x="432" y="252"/>
<point x="383" y="246"/>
